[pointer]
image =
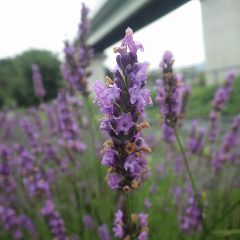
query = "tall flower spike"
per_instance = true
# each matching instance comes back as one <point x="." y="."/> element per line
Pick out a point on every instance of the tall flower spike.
<point x="37" y="82"/>
<point x="220" y="100"/>
<point x="7" y="181"/>
<point x="103" y="232"/>
<point x="68" y="126"/>
<point x="77" y="57"/>
<point x="191" y="220"/>
<point x="169" y="96"/>
<point x="230" y="140"/>
<point x="15" y="223"/>
<point x="54" y="220"/>
<point x="195" y="142"/>
<point x="123" y="101"/>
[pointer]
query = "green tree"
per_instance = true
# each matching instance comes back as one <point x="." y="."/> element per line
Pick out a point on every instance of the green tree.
<point x="16" y="77"/>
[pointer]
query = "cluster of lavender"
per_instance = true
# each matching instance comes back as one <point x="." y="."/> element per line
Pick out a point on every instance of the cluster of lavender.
<point x="36" y="182"/>
<point x="32" y="176"/>
<point x="68" y="125"/>
<point x="32" y="134"/>
<point x="11" y="220"/>
<point x="103" y="232"/>
<point x="196" y="139"/>
<point x="191" y="220"/>
<point x="219" y="102"/>
<point x="51" y="117"/>
<point x="169" y="95"/>
<point x="88" y="221"/>
<point x="15" y="223"/>
<point x="137" y="229"/>
<point x="37" y="82"/>
<point x="228" y="148"/>
<point x="77" y="57"/>
<point x="123" y="100"/>
<point x="7" y="181"/>
<point x="54" y="220"/>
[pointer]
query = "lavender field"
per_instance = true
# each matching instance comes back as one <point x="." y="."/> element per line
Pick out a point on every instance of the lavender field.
<point x="111" y="162"/>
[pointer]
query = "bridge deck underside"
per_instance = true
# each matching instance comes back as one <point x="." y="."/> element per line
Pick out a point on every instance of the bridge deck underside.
<point x="116" y="15"/>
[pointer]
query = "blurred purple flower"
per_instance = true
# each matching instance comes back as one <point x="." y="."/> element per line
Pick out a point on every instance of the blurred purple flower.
<point x="195" y="142"/>
<point x="169" y="95"/>
<point x="220" y="100"/>
<point x="103" y="232"/>
<point x="54" y="220"/>
<point x="37" y="82"/>
<point x="88" y="221"/>
<point x="77" y="57"/>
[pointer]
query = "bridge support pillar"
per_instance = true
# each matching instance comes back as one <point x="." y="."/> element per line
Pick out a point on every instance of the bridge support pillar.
<point x="97" y="69"/>
<point x="221" y="27"/>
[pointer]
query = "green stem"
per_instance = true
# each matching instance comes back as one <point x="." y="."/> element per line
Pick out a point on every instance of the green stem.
<point x="186" y="162"/>
<point x="218" y="221"/>
<point x="189" y="174"/>
<point x="128" y="209"/>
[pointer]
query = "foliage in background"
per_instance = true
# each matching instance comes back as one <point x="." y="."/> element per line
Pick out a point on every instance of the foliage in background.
<point x="200" y="101"/>
<point x="16" y="77"/>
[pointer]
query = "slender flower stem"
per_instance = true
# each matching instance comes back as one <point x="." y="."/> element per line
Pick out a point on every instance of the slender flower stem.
<point x="186" y="162"/>
<point x="189" y="173"/>
<point x="129" y="211"/>
<point x="219" y="220"/>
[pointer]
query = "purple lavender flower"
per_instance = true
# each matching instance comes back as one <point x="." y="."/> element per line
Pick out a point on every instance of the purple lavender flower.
<point x="147" y="203"/>
<point x="220" y="100"/>
<point x="118" y="224"/>
<point x="213" y="130"/>
<point x="123" y="102"/>
<point x="222" y="94"/>
<point x="169" y="96"/>
<point x="191" y="220"/>
<point x="54" y="220"/>
<point x="68" y="126"/>
<point x="103" y="232"/>
<point x="153" y="189"/>
<point x="32" y="134"/>
<point x="195" y="142"/>
<point x="37" y="82"/>
<point x="168" y="133"/>
<point x="139" y="227"/>
<point x="77" y="57"/>
<point x="51" y="114"/>
<point x="14" y="223"/>
<point x="7" y="181"/>
<point x="32" y="176"/>
<point x="88" y="221"/>
<point x="230" y="141"/>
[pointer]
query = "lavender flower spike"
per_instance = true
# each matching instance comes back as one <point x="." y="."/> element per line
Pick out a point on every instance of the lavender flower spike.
<point x="228" y="147"/>
<point x="54" y="220"/>
<point x="169" y="96"/>
<point x="219" y="102"/>
<point x="123" y="101"/>
<point x="37" y="82"/>
<point x="103" y="232"/>
<point x="77" y="57"/>
<point x="191" y="221"/>
<point x="139" y="227"/>
<point x="195" y="142"/>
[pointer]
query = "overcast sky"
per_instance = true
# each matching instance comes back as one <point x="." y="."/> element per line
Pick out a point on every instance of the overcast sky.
<point x="45" y="24"/>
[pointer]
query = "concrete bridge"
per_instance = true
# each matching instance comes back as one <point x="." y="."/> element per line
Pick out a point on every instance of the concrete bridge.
<point x="221" y="27"/>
